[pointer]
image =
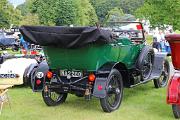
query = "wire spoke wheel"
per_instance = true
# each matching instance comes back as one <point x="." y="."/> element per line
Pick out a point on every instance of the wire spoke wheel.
<point x="163" y="79"/>
<point x="52" y="97"/>
<point x="114" y="93"/>
<point x="147" y="66"/>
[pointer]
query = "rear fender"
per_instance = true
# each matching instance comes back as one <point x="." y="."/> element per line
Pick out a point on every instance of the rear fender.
<point x="102" y="78"/>
<point x="39" y="73"/>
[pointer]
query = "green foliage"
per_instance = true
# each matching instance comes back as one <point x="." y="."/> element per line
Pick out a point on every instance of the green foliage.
<point x="129" y="6"/>
<point x="4" y="14"/>
<point x="114" y="15"/>
<point x="161" y="12"/>
<point x="45" y="9"/>
<point x="117" y="15"/>
<point x="8" y="15"/>
<point x="65" y="12"/>
<point x="16" y="17"/>
<point x="86" y="14"/>
<point x="25" y="7"/>
<point x="30" y="19"/>
<point x="103" y="6"/>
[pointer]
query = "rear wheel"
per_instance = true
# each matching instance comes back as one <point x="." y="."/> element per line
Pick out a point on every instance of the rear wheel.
<point x="114" y="94"/>
<point x="163" y="79"/>
<point x="176" y="111"/>
<point x="53" y="98"/>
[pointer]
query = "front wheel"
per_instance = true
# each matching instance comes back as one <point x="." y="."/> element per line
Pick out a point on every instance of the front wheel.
<point x="114" y="93"/>
<point x="176" y="111"/>
<point x="163" y="79"/>
<point x="53" y="98"/>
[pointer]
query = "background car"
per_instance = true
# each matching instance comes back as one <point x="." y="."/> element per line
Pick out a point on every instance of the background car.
<point x="14" y="69"/>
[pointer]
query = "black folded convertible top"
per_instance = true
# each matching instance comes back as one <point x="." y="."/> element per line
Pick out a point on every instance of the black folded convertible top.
<point x="66" y="37"/>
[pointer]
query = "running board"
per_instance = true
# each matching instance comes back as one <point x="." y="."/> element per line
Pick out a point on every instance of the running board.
<point x="142" y="82"/>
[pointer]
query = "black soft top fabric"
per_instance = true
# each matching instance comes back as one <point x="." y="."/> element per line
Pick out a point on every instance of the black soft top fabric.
<point x="66" y="37"/>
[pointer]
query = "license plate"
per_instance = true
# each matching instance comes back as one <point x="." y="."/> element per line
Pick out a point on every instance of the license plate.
<point x="7" y="75"/>
<point x="68" y="73"/>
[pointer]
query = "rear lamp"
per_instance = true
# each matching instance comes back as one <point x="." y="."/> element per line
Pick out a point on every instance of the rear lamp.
<point x="49" y="75"/>
<point x="91" y="77"/>
<point x="38" y="82"/>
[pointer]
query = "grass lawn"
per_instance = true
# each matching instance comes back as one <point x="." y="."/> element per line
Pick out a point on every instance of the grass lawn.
<point x="10" y="51"/>
<point x="140" y="103"/>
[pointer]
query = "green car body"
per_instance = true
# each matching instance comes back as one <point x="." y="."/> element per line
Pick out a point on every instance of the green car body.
<point x="93" y="56"/>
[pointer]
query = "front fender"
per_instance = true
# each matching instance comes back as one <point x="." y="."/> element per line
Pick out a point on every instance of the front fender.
<point x="159" y="58"/>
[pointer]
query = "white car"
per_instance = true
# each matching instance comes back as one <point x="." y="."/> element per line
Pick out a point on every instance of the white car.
<point x="12" y="71"/>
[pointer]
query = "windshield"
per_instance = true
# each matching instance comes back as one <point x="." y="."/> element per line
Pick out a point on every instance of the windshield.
<point x="132" y="30"/>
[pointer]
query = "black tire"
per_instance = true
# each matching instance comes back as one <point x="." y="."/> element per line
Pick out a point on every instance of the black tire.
<point x="32" y="77"/>
<point x="176" y="111"/>
<point x="50" y="101"/>
<point x="145" y="62"/>
<point x="114" y="88"/>
<point x="26" y="79"/>
<point x="162" y="81"/>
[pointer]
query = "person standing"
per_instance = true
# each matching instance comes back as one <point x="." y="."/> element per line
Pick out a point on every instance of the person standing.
<point x="156" y="41"/>
<point x="162" y="41"/>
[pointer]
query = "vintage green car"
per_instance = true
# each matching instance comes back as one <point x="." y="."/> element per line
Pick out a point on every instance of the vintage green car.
<point x="94" y="61"/>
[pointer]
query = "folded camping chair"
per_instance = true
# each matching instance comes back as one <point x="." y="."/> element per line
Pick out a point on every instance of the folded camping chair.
<point x="4" y="98"/>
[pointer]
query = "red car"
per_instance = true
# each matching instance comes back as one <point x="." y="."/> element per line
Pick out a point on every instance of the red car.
<point x="173" y="94"/>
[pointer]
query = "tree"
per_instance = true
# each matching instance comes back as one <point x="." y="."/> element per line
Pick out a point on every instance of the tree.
<point x="8" y="15"/>
<point x="114" y="15"/>
<point x="65" y="12"/>
<point x="45" y="9"/>
<point x="15" y="17"/>
<point x="30" y="19"/>
<point x="85" y="14"/>
<point x="161" y="12"/>
<point x="25" y="7"/>
<point x="103" y="6"/>
<point x="4" y="14"/>
<point x="129" y="6"/>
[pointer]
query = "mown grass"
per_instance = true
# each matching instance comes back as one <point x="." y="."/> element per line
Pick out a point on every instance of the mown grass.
<point x="10" y="51"/>
<point x="140" y="103"/>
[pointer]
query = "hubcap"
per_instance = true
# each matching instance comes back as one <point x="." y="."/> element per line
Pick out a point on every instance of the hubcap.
<point x="54" y="95"/>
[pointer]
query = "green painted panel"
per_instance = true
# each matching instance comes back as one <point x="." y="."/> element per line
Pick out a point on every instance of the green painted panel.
<point x="92" y="56"/>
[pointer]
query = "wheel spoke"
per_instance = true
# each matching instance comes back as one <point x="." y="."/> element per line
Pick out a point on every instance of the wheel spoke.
<point x="113" y="90"/>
